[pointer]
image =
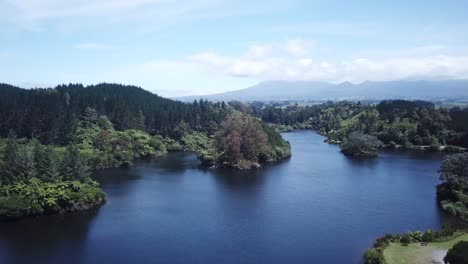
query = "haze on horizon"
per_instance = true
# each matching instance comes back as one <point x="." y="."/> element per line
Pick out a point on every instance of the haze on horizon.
<point x="178" y="47"/>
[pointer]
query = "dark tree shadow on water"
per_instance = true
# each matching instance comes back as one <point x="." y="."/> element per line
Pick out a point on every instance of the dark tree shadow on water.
<point x="46" y="239"/>
<point x="362" y="161"/>
<point x="173" y="163"/>
<point x="234" y="178"/>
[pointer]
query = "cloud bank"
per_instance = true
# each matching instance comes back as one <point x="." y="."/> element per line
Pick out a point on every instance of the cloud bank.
<point x="292" y="60"/>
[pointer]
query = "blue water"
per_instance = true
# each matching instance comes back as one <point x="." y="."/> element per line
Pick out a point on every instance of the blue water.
<point x="317" y="207"/>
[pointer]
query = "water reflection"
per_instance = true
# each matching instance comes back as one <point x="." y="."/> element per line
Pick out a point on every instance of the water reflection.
<point x="231" y="178"/>
<point x="172" y="163"/>
<point x="38" y="240"/>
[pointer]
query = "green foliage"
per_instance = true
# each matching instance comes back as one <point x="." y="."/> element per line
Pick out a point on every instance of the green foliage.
<point x="244" y="142"/>
<point x="73" y="166"/>
<point x="405" y="123"/>
<point x="447" y="232"/>
<point x="47" y="162"/>
<point x="279" y="148"/>
<point x="103" y="147"/>
<point x="50" y="114"/>
<point x="374" y="256"/>
<point x="157" y="143"/>
<point x="107" y="126"/>
<point x="35" y="197"/>
<point x="428" y="236"/>
<point x="453" y="192"/>
<point x="406" y="239"/>
<point x="361" y="145"/>
<point x="181" y="130"/>
<point x="198" y="142"/>
<point x="458" y="254"/>
<point x="454" y="167"/>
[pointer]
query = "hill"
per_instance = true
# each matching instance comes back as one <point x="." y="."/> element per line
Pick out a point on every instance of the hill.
<point x="444" y="90"/>
<point x="49" y="114"/>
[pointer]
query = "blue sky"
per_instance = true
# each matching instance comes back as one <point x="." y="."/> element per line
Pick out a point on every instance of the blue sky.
<point x="181" y="47"/>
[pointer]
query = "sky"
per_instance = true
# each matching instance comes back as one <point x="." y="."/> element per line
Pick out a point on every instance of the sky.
<point x="191" y="47"/>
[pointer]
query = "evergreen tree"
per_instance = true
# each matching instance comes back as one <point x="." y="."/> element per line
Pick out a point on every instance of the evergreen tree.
<point x="10" y="171"/>
<point x="73" y="166"/>
<point x="46" y="162"/>
<point x="26" y="164"/>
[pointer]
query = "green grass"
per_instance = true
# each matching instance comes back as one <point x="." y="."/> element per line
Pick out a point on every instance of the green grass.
<point x="414" y="253"/>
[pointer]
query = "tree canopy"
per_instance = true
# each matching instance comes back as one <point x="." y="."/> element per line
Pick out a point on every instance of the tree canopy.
<point x="453" y="192"/>
<point x="396" y="122"/>
<point x="50" y="114"/>
<point x="242" y="141"/>
<point x="361" y="145"/>
<point x="458" y="254"/>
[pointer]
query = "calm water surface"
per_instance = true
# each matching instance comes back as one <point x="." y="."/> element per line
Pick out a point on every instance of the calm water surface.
<point x="317" y="207"/>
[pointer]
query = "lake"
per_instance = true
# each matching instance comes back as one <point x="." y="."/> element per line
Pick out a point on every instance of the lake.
<point x="317" y="207"/>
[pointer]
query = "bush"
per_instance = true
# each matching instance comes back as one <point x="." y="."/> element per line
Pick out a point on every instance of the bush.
<point x="15" y="207"/>
<point x="453" y="149"/>
<point x="417" y="235"/>
<point x="385" y="241"/>
<point x="428" y="236"/>
<point x="35" y="197"/>
<point x="458" y="254"/>
<point x="405" y="239"/>
<point x="373" y="256"/>
<point x="361" y="145"/>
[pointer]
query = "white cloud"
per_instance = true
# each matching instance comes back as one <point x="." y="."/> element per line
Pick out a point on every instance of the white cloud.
<point x="298" y="47"/>
<point x="422" y="63"/>
<point x="259" y="51"/>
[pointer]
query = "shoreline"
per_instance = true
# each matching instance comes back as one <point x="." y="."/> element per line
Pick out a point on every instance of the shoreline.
<point x="389" y="146"/>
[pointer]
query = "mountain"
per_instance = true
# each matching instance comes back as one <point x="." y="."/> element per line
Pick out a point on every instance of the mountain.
<point x="320" y="91"/>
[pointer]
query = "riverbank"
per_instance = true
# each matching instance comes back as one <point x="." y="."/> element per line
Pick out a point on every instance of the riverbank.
<point x="37" y="198"/>
<point x="390" y="146"/>
<point x="420" y="253"/>
<point x="416" y="247"/>
<point x="451" y="196"/>
<point x="272" y="215"/>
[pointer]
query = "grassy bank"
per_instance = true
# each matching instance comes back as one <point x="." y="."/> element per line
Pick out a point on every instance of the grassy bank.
<point x="415" y="253"/>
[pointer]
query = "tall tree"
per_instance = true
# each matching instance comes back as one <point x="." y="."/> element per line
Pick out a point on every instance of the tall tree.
<point x="46" y="162"/>
<point x="73" y="166"/>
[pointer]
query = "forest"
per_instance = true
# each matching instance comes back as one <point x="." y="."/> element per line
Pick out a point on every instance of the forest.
<point x="397" y="123"/>
<point x="53" y="139"/>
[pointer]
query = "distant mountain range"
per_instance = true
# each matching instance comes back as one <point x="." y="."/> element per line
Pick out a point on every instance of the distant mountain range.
<point x="452" y="90"/>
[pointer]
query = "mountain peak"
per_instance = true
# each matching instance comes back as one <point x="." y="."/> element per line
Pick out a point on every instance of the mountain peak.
<point x="283" y="90"/>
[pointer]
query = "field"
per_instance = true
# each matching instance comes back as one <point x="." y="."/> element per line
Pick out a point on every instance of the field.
<point x="414" y="253"/>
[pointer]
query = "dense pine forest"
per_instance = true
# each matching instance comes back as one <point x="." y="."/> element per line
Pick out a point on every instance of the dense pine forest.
<point x="52" y="140"/>
<point x="50" y="114"/>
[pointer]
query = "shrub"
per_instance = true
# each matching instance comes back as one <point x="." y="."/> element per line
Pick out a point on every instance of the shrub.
<point x="373" y="256"/>
<point x="36" y="197"/>
<point x="428" y="236"/>
<point x="417" y="235"/>
<point x="458" y="254"/>
<point x="361" y="145"/>
<point x="384" y="241"/>
<point x="405" y="239"/>
<point x="453" y="149"/>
